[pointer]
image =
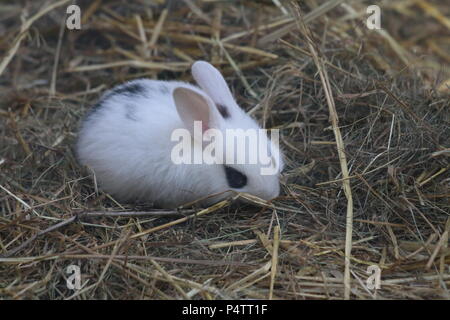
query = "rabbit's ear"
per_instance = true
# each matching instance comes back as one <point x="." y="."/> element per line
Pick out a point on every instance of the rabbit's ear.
<point x="212" y="82"/>
<point x="193" y="106"/>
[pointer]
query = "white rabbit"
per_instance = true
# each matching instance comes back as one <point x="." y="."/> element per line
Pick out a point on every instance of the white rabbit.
<point x="126" y="141"/>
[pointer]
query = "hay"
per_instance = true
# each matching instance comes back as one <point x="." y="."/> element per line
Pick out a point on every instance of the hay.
<point x="388" y="94"/>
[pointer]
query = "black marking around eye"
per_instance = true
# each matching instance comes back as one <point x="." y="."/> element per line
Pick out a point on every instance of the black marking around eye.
<point x="223" y="110"/>
<point x="235" y="178"/>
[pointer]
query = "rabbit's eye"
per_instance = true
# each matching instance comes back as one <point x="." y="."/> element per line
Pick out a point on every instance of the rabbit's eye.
<point x="235" y="178"/>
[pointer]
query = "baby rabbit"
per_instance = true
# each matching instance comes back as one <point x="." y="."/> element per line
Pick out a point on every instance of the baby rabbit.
<point x="127" y="141"/>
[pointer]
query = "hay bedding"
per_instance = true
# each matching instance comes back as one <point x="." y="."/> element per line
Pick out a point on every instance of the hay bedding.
<point x="389" y="93"/>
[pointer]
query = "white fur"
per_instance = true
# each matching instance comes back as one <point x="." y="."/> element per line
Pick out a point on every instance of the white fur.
<point x="126" y="142"/>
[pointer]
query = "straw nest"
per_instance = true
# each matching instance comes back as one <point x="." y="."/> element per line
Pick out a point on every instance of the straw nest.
<point x="364" y="122"/>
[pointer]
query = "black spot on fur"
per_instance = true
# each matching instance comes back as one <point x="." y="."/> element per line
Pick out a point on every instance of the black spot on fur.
<point x="130" y="112"/>
<point x="130" y="89"/>
<point x="235" y="178"/>
<point x="127" y="89"/>
<point x="223" y="110"/>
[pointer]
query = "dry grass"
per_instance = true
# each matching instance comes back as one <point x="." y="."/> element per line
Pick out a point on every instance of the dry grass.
<point x="374" y="103"/>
